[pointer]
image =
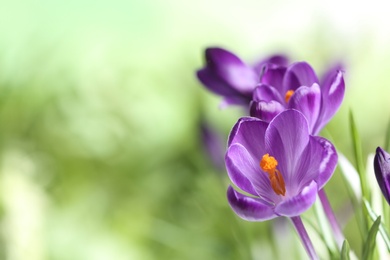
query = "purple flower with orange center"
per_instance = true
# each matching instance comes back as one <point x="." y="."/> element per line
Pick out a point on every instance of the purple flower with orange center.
<point x="297" y="87"/>
<point x="227" y="75"/>
<point x="278" y="164"/>
<point x="382" y="171"/>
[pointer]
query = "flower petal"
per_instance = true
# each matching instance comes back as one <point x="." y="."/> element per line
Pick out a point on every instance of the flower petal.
<point x="298" y="204"/>
<point x="265" y="110"/>
<point x="264" y="92"/>
<point x="211" y="81"/>
<point x="249" y="132"/>
<point x="276" y="59"/>
<point x="234" y="158"/>
<point x="382" y="171"/>
<point x="299" y="74"/>
<point x="308" y="101"/>
<point x="286" y="139"/>
<point x="332" y="96"/>
<point x="234" y="100"/>
<point x="232" y="70"/>
<point x="248" y="208"/>
<point x="244" y="171"/>
<point x="318" y="163"/>
<point x="273" y="76"/>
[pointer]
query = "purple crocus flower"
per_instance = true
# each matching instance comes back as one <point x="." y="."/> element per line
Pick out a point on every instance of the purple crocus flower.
<point x="382" y="171"/>
<point x="227" y="75"/>
<point x="279" y="164"/>
<point x="297" y="87"/>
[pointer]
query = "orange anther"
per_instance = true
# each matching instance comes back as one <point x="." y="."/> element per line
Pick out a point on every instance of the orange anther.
<point x="268" y="164"/>
<point x="288" y="95"/>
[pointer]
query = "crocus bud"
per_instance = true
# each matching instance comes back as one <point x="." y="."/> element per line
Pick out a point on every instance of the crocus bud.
<point x="382" y="171"/>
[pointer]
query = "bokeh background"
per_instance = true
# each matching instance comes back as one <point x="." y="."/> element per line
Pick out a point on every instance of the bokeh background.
<point x="101" y="116"/>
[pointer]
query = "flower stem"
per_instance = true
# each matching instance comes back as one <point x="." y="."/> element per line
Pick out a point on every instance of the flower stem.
<point x="338" y="234"/>
<point x="298" y="224"/>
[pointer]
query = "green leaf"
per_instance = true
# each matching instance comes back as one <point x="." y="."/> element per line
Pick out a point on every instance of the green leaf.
<point x="357" y="149"/>
<point x="369" y="245"/>
<point x="345" y="251"/>
<point x="382" y="229"/>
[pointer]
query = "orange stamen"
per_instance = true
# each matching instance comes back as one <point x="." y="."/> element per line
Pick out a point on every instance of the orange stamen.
<point x="268" y="164"/>
<point x="288" y="95"/>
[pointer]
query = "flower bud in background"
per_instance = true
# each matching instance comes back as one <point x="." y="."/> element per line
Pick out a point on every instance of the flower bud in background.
<point x="382" y="171"/>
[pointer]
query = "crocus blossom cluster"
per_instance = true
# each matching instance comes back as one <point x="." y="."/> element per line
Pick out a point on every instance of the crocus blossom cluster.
<point x="271" y="86"/>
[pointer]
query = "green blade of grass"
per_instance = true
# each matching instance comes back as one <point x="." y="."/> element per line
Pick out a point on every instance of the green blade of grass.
<point x="345" y="251"/>
<point x="382" y="229"/>
<point x="369" y="245"/>
<point x="357" y="149"/>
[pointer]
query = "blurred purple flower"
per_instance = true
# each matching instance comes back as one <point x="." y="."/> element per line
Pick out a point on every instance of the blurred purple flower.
<point x="298" y="87"/>
<point x="214" y="145"/>
<point x="280" y="165"/>
<point x="382" y="171"/>
<point x="227" y="75"/>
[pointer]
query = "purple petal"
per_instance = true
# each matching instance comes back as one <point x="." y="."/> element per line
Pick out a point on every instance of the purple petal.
<point x="234" y="100"/>
<point x="318" y="163"/>
<point x="328" y="161"/>
<point x="244" y="169"/>
<point x="215" y="84"/>
<point x="382" y="171"/>
<point x="213" y="144"/>
<point x="328" y="75"/>
<point x="265" y="110"/>
<point x="277" y="59"/>
<point x="273" y="76"/>
<point x="299" y="74"/>
<point x="249" y="132"/>
<point x="248" y="208"/>
<point x="308" y="101"/>
<point x="332" y="96"/>
<point x="286" y="139"/>
<point x="237" y="175"/>
<point x="298" y="204"/>
<point x="266" y="93"/>
<point x="231" y="69"/>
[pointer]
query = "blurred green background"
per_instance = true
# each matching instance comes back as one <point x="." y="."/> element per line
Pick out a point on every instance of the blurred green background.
<point x="101" y="154"/>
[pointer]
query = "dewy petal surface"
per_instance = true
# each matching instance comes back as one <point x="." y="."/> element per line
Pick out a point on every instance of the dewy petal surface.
<point x="308" y="101"/>
<point x="248" y="208"/>
<point x="298" y="204"/>
<point x="286" y="139"/>
<point x="299" y="74"/>
<point x="230" y="68"/>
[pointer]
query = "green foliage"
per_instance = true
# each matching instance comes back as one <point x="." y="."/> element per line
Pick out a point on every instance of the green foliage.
<point x="358" y="154"/>
<point x="382" y="229"/>
<point x="345" y="251"/>
<point x="369" y="244"/>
